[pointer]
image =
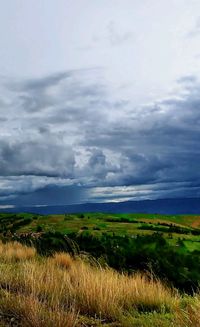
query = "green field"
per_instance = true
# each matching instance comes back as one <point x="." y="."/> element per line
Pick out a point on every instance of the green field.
<point x="173" y="228"/>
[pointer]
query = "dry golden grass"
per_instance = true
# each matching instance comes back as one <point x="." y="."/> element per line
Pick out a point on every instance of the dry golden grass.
<point x="55" y="291"/>
<point x="15" y="251"/>
<point x="188" y="313"/>
<point x="106" y="292"/>
<point x="64" y="260"/>
<point x="27" y="311"/>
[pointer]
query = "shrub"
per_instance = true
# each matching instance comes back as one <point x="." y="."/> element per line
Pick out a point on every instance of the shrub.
<point x="39" y="228"/>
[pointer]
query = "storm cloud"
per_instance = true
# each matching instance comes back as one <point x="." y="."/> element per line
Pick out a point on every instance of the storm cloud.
<point x="65" y="131"/>
<point x="99" y="102"/>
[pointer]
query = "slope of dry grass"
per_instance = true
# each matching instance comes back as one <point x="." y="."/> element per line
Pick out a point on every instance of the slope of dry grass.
<point x="63" y="291"/>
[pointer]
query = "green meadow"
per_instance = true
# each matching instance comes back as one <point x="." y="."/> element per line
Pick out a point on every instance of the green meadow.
<point x="173" y="228"/>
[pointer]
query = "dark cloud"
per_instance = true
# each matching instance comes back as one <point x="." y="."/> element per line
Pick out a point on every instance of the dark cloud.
<point x="65" y="130"/>
<point x="36" y="158"/>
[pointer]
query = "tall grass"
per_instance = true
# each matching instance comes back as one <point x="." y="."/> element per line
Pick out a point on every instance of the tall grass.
<point x="28" y="311"/>
<point x="15" y="251"/>
<point x="61" y="291"/>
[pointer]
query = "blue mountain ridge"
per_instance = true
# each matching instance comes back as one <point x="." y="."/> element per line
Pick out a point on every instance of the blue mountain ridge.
<point x="159" y="206"/>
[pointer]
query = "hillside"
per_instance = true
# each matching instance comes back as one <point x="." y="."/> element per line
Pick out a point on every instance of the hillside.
<point x="167" y="245"/>
<point x="67" y="291"/>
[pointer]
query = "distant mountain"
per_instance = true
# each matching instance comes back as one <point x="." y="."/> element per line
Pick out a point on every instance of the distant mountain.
<point x="161" y="206"/>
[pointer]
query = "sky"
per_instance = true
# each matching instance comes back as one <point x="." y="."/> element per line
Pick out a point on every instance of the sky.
<point x="99" y="100"/>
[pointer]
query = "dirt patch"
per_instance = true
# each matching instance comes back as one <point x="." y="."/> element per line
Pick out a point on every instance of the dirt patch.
<point x="196" y="223"/>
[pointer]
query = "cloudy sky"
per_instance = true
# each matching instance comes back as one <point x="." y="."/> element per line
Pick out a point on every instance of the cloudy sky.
<point x="99" y="100"/>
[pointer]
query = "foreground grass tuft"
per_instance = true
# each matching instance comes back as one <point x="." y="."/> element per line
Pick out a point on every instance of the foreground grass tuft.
<point x="64" y="260"/>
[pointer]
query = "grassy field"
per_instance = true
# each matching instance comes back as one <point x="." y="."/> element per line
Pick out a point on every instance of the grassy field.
<point x="65" y="291"/>
<point x="168" y="246"/>
<point x="174" y="228"/>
